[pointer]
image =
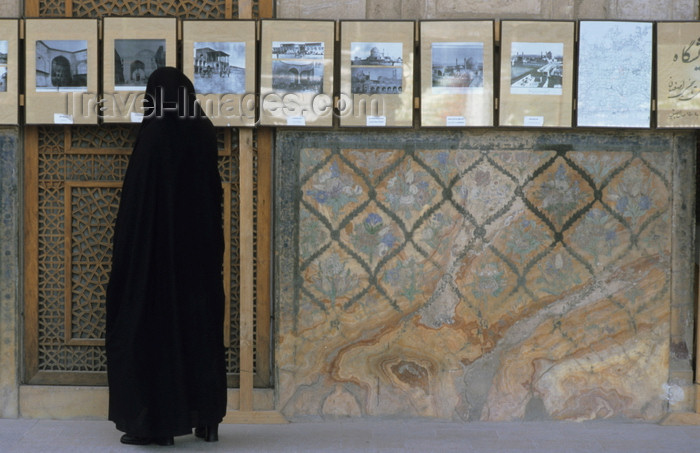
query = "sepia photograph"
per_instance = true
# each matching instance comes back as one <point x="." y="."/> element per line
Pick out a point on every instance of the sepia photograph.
<point x="135" y="60"/>
<point x="219" y="67"/>
<point x="297" y="66"/>
<point x="61" y="65"/>
<point x="457" y="67"/>
<point x="368" y="80"/>
<point x="297" y="50"/>
<point x="536" y="68"/>
<point x="376" y="53"/>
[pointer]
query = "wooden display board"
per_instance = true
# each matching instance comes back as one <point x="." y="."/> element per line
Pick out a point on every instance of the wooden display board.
<point x="9" y="70"/>
<point x="219" y="57"/>
<point x="61" y="71"/>
<point x="133" y="48"/>
<point x="537" y="73"/>
<point x="456" y="73"/>
<point x="296" y="73"/>
<point x="376" y="73"/>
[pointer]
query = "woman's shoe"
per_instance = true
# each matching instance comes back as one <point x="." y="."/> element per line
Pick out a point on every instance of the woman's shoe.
<point x="134" y="440"/>
<point x="210" y="433"/>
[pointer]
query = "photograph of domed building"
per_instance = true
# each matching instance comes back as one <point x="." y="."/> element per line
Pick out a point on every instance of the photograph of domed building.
<point x="61" y="65"/>
<point x="135" y="60"/>
<point x="376" y="67"/>
<point x="457" y="67"/>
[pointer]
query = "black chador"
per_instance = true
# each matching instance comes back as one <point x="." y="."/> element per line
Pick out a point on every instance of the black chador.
<point x="165" y="298"/>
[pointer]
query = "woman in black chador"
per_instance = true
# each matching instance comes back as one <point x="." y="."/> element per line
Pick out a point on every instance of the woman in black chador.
<point x="165" y="298"/>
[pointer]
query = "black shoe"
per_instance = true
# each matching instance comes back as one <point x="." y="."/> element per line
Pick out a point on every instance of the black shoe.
<point x="210" y="433"/>
<point x="133" y="440"/>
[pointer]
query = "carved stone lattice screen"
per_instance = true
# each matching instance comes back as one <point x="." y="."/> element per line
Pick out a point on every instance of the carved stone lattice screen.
<point x="79" y="174"/>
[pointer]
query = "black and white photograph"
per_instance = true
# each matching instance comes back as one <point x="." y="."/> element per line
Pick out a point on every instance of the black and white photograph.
<point x="368" y="80"/>
<point x="536" y="68"/>
<point x="61" y="65"/>
<point x="290" y="50"/>
<point x="135" y="60"/>
<point x="219" y="67"/>
<point x="376" y="54"/>
<point x="297" y="66"/>
<point x="3" y="65"/>
<point x="457" y="67"/>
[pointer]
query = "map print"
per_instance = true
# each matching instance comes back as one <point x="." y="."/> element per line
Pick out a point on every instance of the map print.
<point x="614" y="79"/>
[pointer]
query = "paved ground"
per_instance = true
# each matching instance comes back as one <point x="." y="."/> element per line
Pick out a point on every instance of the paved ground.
<point x="366" y="436"/>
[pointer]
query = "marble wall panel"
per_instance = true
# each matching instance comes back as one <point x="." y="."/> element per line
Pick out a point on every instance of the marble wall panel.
<point x="494" y="276"/>
<point x="10" y="221"/>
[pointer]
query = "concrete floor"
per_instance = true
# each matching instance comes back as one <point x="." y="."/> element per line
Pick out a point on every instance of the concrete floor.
<point x="23" y="435"/>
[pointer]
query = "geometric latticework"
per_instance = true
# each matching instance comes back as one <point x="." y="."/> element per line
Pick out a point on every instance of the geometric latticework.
<point x="80" y="170"/>
<point x="192" y="9"/>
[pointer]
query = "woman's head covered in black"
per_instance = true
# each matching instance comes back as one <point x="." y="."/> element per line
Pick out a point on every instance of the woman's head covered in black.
<point x="169" y="94"/>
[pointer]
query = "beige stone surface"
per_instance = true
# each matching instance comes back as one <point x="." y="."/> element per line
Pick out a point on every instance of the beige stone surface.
<point x="496" y="8"/>
<point x="384" y="9"/>
<point x="314" y="9"/>
<point x="591" y="9"/>
<point x="10" y="8"/>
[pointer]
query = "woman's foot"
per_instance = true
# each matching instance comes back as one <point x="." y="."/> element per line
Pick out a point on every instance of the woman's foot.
<point x="210" y="433"/>
<point x="135" y="440"/>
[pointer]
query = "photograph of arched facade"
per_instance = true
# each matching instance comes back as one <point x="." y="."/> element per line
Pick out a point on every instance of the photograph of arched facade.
<point x="219" y="67"/>
<point x="61" y="65"/>
<point x="296" y="66"/>
<point x="135" y="60"/>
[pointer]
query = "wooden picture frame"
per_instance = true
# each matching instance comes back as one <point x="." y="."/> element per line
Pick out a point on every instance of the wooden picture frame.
<point x="61" y="67"/>
<point x="615" y="74"/>
<point x="296" y="73"/>
<point x="376" y="73"/>
<point x="537" y="73"/>
<point x="9" y="71"/>
<point x="456" y="73"/>
<point x="127" y="42"/>
<point x="678" y="74"/>
<point x="219" y="57"/>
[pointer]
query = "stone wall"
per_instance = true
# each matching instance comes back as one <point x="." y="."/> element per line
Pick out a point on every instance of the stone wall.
<point x="497" y="9"/>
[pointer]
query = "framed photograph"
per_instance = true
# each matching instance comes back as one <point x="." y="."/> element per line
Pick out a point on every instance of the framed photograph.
<point x="133" y="49"/>
<point x="678" y="74"/>
<point x="537" y="73"/>
<point x="61" y="71"/>
<point x="614" y="74"/>
<point x="296" y="73"/>
<point x="9" y="67"/>
<point x="219" y="56"/>
<point x="456" y="73"/>
<point x="376" y="73"/>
